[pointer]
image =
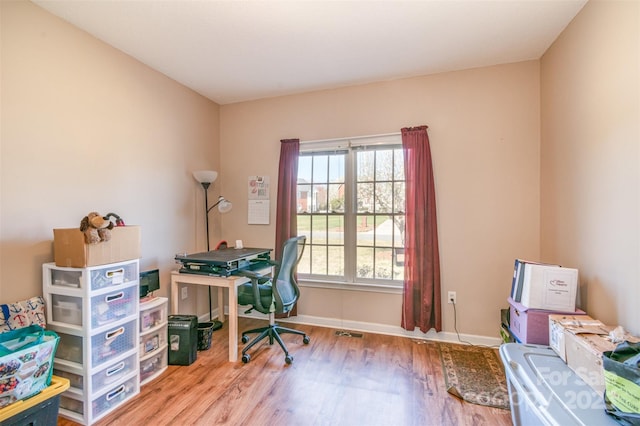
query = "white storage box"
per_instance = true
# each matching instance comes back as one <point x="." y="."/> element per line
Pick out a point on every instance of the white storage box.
<point x="544" y="391"/>
<point x="549" y="287"/>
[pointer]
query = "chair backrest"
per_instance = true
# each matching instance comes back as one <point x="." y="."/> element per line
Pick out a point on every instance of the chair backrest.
<point x="285" y="288"/>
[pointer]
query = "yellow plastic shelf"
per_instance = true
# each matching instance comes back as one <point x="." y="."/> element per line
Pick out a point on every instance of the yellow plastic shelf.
<point x="58" y="385"/>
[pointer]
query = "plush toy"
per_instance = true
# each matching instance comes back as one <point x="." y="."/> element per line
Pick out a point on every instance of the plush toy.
<point x="96" y="228"/>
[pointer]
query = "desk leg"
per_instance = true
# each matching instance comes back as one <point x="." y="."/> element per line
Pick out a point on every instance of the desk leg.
<point x="221" y="304"/>
<point x="233" y="323"/>
<point x="174" y="295"/>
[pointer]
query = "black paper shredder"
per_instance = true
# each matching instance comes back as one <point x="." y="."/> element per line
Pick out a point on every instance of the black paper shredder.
<point x="183" y="339"/>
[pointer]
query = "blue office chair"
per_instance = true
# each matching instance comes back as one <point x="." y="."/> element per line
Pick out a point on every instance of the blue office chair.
<point x="272" y="297"/>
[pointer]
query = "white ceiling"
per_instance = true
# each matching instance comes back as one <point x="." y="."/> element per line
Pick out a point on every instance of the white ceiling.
<point x="232" y="50"/>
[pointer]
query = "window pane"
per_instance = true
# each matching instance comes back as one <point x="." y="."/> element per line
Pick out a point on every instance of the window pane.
<point x="304" y="267"/>
<point x="384" y="231"/>
<point x="384" y="258"/>
<point x="398" y="231"/>
<point x="398" y="164"/>
<point x="336" y="261"/>
<point x="318" y="229"/>
<point x="320" y="165"/>
<point x="336" y="168"/>
<point x="365" y="198"/>
<point x="384" y="164"/>
<point x="398" y="263"/>
<point x="366" y="165"/>
<point x="304" y="168"/>
<point x="399" y="197"/>
<point x="318" y="260"/>
<point x="364" y="262"/>
<point x="335" y="231"/>
<point x="336" y="197"/>
<point x="365" y="230"/>
<point x="304" y="225"/>
<point x="319" y="196"/>
<point x="384" y="197"/>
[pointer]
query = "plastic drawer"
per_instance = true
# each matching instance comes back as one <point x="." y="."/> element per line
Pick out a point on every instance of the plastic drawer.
<point x="71" y="404"/>
<point x="115" y="396"/>
<point x="152" y="317"/>
<point x="114" y="373"/>
<point x="63" y="277"/>
<point x="153" y="341"/>
<point x="113" y="342"/>
<point x="66" y="309"/>
<point x="114" y="275"/>
<point x="69" y="347"/>
<point x="113" y="306"/>
<point x="75" y="380"/>
<point x="153" y="364"/>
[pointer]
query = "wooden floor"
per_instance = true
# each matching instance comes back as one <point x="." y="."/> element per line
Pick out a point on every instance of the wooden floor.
<point x="334" y="380"/>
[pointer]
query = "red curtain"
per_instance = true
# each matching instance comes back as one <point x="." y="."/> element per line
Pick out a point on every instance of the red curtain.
<point x="286" y="210"/>
<point x="421" y="305"/>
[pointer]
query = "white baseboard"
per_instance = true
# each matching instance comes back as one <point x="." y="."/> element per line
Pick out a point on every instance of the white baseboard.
<point x="368" y="327"/>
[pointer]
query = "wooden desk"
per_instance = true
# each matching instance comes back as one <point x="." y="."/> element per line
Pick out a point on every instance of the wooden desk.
<point x="232" y="282"/>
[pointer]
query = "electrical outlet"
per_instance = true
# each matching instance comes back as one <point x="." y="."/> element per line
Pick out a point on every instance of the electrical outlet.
<point x="451" y="297"/>
<point x="185" y="292"/>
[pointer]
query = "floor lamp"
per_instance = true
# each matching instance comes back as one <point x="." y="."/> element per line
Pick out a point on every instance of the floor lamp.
<point x="206" y="178"/>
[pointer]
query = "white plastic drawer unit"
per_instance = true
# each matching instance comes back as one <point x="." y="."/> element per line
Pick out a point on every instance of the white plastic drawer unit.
<point x="71" y="404"/>
<point x="76" y="380"/>
<point x="113" y="306"/>
<point x="66" y="309"/>
<point x="69" y="347"/>
<point x="115" y="396"/>
<point x="153" y="364"/>
<point x="93" y="278"/>
<point x="153" y="341"/>
<point x="109" y="344"/>
<point x="114" y="373"/>
<point x="153" y="315"/>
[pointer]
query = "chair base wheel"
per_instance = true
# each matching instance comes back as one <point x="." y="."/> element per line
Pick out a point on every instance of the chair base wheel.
<point x="306" y="340"/>
<point x="288" y="359"/>
<point x="245" y="339"/>
<point x="246" y="358"/>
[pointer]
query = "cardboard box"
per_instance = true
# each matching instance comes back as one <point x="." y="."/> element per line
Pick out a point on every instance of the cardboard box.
<point x="559" y="323"/>
<point x="549" y="287"/>
<point x="70" y="250"/>
<point x="584" y="357"/>
<point x="531" y="325"/>
<point x="584" y="354"/>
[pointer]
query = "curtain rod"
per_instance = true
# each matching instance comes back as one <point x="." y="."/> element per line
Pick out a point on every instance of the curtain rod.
<point x="354" y="137"/>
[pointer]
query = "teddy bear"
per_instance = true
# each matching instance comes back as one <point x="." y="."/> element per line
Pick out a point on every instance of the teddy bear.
<point x="96" y="228"/>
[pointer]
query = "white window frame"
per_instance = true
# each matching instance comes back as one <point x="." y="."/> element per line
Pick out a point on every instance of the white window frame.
<point x="350" y="145"/>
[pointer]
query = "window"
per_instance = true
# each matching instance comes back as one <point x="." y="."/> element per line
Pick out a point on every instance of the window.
<point x="350" y="199"/>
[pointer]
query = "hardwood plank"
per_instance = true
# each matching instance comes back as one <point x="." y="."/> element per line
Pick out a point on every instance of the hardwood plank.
<point x="334" y="380"/>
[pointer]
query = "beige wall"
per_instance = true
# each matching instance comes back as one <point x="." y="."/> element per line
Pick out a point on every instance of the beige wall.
<point x="484" y="131"/>
<point x="590" y="157"/>
<point x="85" y="127"/>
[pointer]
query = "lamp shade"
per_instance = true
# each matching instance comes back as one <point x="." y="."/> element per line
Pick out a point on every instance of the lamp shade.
<point x="205" y="176"/>
<point x="224" y="206"/>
